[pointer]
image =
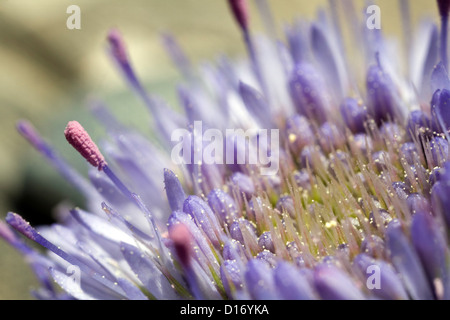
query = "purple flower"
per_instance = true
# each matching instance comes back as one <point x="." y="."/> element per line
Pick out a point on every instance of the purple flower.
<point x="358" y="209"/>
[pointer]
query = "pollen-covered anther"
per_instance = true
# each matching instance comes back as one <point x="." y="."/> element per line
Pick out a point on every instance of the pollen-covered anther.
<point x="82" y="142"/>
<point x="21" y="225"/>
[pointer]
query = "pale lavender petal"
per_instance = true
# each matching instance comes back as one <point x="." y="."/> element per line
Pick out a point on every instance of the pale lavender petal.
<point x="131" y="290"/>
<point x="145" y="269"/>
<point x="223" y="205"/>
<point x="231" y="276"/>
<point x="204" y="217"/>
<point x="386" y="283"/>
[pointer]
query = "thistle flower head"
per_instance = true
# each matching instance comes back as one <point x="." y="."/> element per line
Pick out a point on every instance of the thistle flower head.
<point x="334" y="184"/>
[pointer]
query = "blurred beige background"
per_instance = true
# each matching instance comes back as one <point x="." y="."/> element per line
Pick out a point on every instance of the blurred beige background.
<point x="47" y="71"/>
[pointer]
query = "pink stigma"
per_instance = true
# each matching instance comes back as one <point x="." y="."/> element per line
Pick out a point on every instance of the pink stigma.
<point x="181" y="237"/>
<point x="6" y="233"/>
<point x="117" y="45"/>
<point x="240" y="12"/>
<point x="82" y="142"/>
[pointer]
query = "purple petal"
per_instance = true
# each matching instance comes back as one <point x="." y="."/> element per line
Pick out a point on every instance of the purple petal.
<point x="363" y="143"/>
<point x="327" y="57"/>
<point x="440" y="105"/>
<point x="286" y="203"/>
<point x="109" y="192"/>
<point x="131" y="290"/>
<point x="390" y="285"/>
<point x="380" y="94"/>
<point x="298" y="43"/>
<point x="379" y="217"/>
<point x="303" y="179"/>
<point x="401" y="190"/>
<point x="147" y="272"/>
<point x="308" y="93"/>
<point x="176" y="53"/>
<point x="243" y="184"/>
<point x="330" y="137"/>
<point x="259" y="281"/>
<point x="101" y="227"/>
<point x="18" y="223"/>
<point x="256" y="104"/>
<point x="333" y="284"/>
<point x="231" y="276"/>
<point x="252" y="207"/>
<point x="439" y="151"/>
<point x="435" y="176"/>
<point x="237" y="152"/>
<point x="419" y="123"/>
<point x="204" y="217"/>
<point x="191" y="108"/>
<point x="407" y="263"/>
<point x="268" y="257"/>
<point x="292" y="284"/>
<point x="204" y="255"/>
<point x="223" y="205"/>
<point x="441" y="200"/>
<point x="409" y="153"/>
<point x="174" y="190"/>
<point x="241" y="226"/>
<point x="429" y="39"/>
<point x="439" y="78"/>
<point x="373" y="246"/>
<point x="430" y="244"/>
<point x="299" y="133"/>
<point x="418" y="203"/>
<point x="70" y="286"/>
<point x="311" y="157"/>
<point x="234" y="250"/>
<point x="392" y="132"/>
<point x="354" y="115"/>
<point x="381" y="160"/>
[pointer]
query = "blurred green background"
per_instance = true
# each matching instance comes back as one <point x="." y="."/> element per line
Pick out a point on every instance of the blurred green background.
<point x="47" y="71"/>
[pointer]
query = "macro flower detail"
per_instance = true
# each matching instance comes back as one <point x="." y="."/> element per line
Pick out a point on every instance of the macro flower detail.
<point x="359" y="207"/>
